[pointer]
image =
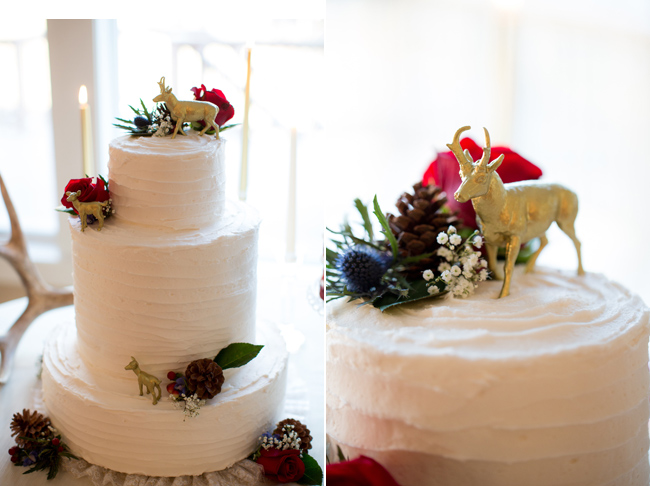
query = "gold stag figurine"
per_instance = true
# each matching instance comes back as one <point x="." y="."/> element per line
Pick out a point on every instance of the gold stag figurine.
<point x="188" y="111"/>
<point x="85" y="208"/>
<point x="512" y="214"/>
<point x="151" y="382"/>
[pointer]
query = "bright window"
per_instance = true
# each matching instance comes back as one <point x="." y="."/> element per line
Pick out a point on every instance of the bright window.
<point x="26" y="136"/>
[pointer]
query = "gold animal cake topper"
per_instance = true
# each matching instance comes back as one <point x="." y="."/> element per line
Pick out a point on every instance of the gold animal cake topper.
<point x="188" y="111"/>
<point x="149" y="381"/>
<point x="94" y="208"/>
<point x="512" y="214"/>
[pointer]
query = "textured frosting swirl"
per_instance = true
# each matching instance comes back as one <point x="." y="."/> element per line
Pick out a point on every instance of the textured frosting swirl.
<point x="173" y="296"/>
<point x="177" y="184"/>
<point x="558" y="368"/>
<point x="104" y="420"/>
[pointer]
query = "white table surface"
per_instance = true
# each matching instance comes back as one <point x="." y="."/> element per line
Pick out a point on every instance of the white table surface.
<point x="285" y="297"/>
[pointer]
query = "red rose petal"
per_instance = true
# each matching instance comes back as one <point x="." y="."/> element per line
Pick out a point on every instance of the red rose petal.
<point x="362" y="471"/>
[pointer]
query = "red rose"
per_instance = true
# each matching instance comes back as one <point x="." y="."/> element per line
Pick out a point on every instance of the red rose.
<point x="216" y="97"/>
<point x="362" y="471"/>
<point x="89" y="191"/>
<point x="443" y="172"/>
<point x="282" y="466"/>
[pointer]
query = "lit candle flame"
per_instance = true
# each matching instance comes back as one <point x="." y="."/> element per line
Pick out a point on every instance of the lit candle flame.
<point x="83" y="95"/>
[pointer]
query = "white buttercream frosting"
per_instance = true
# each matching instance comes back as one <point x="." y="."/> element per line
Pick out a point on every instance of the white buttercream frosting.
<point x="160" y="182"/>
<point x="166" y="297"/>
<point x="124" y="432"/>
<point x="171" y="278"/>
<point x="556" y="371"/>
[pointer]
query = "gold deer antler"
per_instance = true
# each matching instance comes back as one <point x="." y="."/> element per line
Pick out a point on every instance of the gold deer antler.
<point x="161" y="83"/>
<point x="41" y="296"/>
<point x="464" y="158"/>
<point x="487" y="151"/>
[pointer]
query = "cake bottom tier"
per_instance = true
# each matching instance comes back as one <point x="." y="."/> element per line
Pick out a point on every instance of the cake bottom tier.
<point x="125" y="432"/>
<point x="625" y="465"/>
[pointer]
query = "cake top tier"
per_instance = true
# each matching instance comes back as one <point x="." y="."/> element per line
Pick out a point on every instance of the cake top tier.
<point x="176" y="184"/>
<point x="551" y="312"/>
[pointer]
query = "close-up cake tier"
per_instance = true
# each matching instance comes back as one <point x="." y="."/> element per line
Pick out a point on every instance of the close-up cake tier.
<point x="166" y="297"/>
<point x="553" y="378"/>
<point x="171" y="183"/>
<point x="124" y="432"/>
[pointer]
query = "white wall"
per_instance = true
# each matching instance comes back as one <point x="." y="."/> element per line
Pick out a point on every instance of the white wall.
<point x="566" y="84"/>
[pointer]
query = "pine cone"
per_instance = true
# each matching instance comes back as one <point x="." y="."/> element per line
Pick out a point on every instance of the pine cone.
<point x="299" y="428"/>
<point x="29" y="424"/>
<point x="417" y="226"/>
<point x="204" y="377"/>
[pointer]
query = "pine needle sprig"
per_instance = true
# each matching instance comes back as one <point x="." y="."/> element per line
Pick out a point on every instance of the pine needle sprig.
<point x="371" y="268"/>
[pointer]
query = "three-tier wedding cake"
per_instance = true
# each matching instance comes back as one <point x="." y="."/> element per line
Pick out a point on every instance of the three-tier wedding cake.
<point x="171" y="278"/>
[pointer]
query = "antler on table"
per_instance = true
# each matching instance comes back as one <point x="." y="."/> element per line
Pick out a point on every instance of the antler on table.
<point x="41" y="296"/>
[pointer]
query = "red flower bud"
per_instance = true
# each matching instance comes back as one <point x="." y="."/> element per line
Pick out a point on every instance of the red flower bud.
<point x="60" y="449"/>
<point x="171" y="375"/>
<point x="14" y="458"/>
<point x="170" y="388"/>
<point x="282" y="466"/>
<point x="216" y="97"/>
<point x="89" y="191"/>
<point x="13" y="451"/>
<point x="56" y="441"/>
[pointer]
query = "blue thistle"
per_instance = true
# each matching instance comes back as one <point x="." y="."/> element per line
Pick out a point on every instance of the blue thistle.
<point x="362" y="268"/>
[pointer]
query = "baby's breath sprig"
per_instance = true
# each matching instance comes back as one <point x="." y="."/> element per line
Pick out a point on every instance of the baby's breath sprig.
<point x="189" y="404"/>
<point x="463" y="267"/>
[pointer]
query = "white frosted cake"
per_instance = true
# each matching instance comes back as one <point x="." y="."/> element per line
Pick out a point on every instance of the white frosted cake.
<point x="546" y="387"/>
<point x="170" y="278"/>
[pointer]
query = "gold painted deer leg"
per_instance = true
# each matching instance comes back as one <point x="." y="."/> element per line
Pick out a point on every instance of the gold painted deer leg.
<point x="570" y="231"/>
<point x="156" y="398"/>
<point x="530" y="266"/>
<point x="83" y="221"/>
<point x="491" y="250"/>
<point x="140" y="384"/>
<point x="179" y="124"/>
<point x="512" y="250"/>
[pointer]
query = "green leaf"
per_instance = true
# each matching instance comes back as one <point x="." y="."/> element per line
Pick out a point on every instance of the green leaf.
<point x="418" y="291"/>
<point x="367" y="224"/>
<point x="63" y="209"/>
<point x="237" y="354"/>
<point x="137" y="112"/>
<point x="339" y="453"/>
<point x="228" y="127"/>
<point x="313" y="472"/>
<point x="125" y="121"/>
<point x="146" y="113"/>
<point x="386" y="231"/>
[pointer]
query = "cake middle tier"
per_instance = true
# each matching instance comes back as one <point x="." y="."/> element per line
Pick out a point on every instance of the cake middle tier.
<point x="172" y="296"/>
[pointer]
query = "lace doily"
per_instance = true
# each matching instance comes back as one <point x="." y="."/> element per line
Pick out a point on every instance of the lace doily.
<point x="243" y="473"/>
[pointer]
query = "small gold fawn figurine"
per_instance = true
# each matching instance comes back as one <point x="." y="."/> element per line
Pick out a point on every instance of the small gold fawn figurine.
<point x="188" y="111"/>
<point x="151" y="382"/>
<point x="511" y="214"/>
<point x="85" y="208"/>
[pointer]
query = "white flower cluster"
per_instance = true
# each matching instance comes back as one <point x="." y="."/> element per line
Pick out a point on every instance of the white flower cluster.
<point x="289" y="440"/>
<point x="165" y="127"/>
<point x="189" y="405"/>
<point x="463" y="265"/>
<point x="108" y="209"/>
